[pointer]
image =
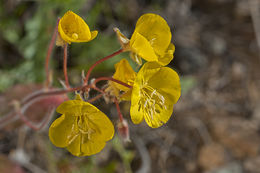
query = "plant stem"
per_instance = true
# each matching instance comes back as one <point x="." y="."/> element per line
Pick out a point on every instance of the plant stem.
<point x="98" y="89"/>
<point x="52" y="92"/>
<point x="48" y="56"/>
<point x="112" y="79"/>
<point x="6" y="119"/>
<point x="95" y="98"/>
<point x="118" y="110"/>
<point x="98" y="62"/>
<point x="65" y="59"/>
<point x="33" y="126"/>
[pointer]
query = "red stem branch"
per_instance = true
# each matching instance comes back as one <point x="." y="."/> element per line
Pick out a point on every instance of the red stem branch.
<point x="98" y="89"/>
<point x="4" y="120"/>
<point x="48" y="56"/>
<point x="34" y="126"/>
<point x="112" y="79"/>
<point x="118" y="110"/>
<point x="52" y="92"/>
<point x="98" y="62"/>
<point x="95" y="98"/>
<point x="65" y="59"/>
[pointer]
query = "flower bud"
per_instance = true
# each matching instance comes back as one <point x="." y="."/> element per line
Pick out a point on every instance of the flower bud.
<point x="123" y="130"/>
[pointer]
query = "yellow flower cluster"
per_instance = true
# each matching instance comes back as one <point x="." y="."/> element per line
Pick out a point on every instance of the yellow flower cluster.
<point x="155" y="88"/>
<point x="82" y="128"/>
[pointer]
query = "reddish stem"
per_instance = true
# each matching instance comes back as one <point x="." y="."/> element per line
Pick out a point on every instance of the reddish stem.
<point x="31" y="125"/>
<point x="52" y="92"/>
<point x="98" y="62"/>
<point x="48" y="56"/>
<point x="65" y="59"/>
<point x="99" y="90"/>
<point x="6" y="119"/>
<point x="112" y="79"/>
<point x="95" y="98"/>
<point x="118" y="110"/>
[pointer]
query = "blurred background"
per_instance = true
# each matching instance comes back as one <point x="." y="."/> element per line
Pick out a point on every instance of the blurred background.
<point x="215" y="127"/>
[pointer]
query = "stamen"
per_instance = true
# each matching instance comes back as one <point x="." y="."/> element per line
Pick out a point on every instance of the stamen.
<point x="75" y="36"/>
<point x="151" y="101"/>
<point x="152" y="41"/>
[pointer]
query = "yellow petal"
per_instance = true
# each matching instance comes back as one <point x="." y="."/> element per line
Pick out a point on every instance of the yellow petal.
<point x="142" y="47"/>
<point x="136" y="116"/>
<point x="168" y="56"/>
<point x="101" y="125"/>
<point x="92" y="147"/>
<point x="93" y="35"/>
<point x="72" y="28"/>
<point x="77" y="148"/>
<point x="155" y="91"/>
<point x="167" y="82"/>
<point x="60" y="130"/>
<point x="124" y="73"/>
<point x="156" y="31"/>
<point x="74" y="147"/>
<point x="72" y="107"/>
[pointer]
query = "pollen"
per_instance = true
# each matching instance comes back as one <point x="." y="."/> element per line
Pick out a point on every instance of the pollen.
<point x="75" y="36"/>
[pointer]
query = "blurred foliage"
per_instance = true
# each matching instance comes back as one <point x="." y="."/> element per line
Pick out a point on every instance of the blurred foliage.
<point x="187" y="83"/>
<point x="29" y="27"/>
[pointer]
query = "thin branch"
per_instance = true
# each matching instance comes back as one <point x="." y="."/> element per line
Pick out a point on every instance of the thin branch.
<point x="65" y="59"/>
<point x="111" y="79"/>
<point x="36" y="126"/>
<point x="98" y="62"/>
<point x="7" y="119"/>
<point x="118" y="110"/>
<point x="95" y="98"/>
<point x="43" y="93"/>
<point x="48" y="56"/>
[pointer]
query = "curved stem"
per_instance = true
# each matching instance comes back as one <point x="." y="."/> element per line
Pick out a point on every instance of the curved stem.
<point x="65" y="59"/>
<point x="31" y="124"/>
<point x="6" y="119"/>
<point x="98" y="89"/>
<point x="112" y="79"/>
<point x="52" y="92"/>
<point x="95" y="98"/>
<point x="48" y="56"/>
<point x="98" y="62"/>
<point x="118" y="110"/>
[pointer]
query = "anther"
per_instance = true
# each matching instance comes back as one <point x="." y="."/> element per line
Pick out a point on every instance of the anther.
<point x="75" y="36"/>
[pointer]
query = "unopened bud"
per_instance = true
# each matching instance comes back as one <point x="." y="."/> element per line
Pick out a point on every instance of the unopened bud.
<point x="123" y="130"/>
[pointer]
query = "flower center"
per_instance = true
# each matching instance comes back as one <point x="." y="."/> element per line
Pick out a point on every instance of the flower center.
<point x="81" y="127"/>
<point x="152" y="41"/>
<point x="75" y="36"/>
<point x="151" y="102"/>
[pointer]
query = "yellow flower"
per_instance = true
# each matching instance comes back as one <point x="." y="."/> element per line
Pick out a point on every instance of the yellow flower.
<point x="155" y="91"/>
<point x="72" y="28"/>
<point x="126" y="74"/>
<point x="151" y="40"/>
<point x="82" y="128"/>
